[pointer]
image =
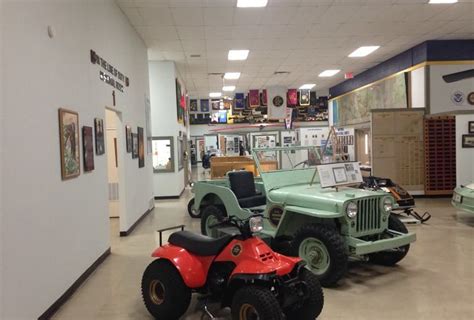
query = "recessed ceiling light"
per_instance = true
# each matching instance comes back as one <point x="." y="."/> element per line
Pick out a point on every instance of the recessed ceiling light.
<point x="307" y="86"/>
<point x="251" y="3"/>
<point x="363" y="51"/>
<point x="329" y="73"/>
<point x="215" y="94"/>
<point x="442" y="1"/>
<point x="228" y="88"/>
<point x="232" y="75"/>
<point x="238" y="54"/>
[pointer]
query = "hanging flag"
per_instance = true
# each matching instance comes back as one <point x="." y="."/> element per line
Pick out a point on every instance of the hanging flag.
<point x="292" y="97"/>
<point x="204" y="105"/>
<point x="264" y="97"/>
<point x="239" y="101"/>
<point x="289" y="119"/>
<point x="193" y="105"/>
<point x="313" y="99"/>
<point x="305" y="97"/>
<point x="276" y="102"/>
<point x="254" y="98"/>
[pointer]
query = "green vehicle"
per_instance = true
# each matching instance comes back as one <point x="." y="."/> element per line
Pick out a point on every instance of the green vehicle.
<point x="463" y="198"/>
<point x="324" y="226"/>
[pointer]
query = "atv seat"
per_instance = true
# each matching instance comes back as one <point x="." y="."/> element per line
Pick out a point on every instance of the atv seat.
<point x="199" y="244"/>
<point x="243" y="185"/>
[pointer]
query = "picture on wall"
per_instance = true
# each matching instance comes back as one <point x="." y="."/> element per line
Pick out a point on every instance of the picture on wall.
<point x="180" y="103"/>
<point x="134" y="145"/>
<point x="128" y="137"/>
<point x="468" y="140"/>
<point x="69" y="143"/>
<point x="193" y="105"/>
<point x="204" y="105"/>
<point x="141" y="148"/>
<point x="88" y="148"/>
<point x="215" y="103"/>
<point x="471" y="126"/>
<point x="99" y="136"/>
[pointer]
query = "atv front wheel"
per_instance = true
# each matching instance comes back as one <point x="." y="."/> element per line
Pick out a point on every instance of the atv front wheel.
<point x="164" y="292"/>
<point x="194" y="213"/>
<point x="324" y="251"/>
<point x="211" y="215"/>
<point x="310" y="308"/>
<point x="253" y="302"/>
<point x="391" y="257"/>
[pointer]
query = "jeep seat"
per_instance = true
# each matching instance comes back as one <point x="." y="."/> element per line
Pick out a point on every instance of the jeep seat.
<point x="242" y="184"/>
<point x="199" y="244"/>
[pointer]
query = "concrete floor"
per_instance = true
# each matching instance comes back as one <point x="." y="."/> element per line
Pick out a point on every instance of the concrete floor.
<point x="435" y="280"/>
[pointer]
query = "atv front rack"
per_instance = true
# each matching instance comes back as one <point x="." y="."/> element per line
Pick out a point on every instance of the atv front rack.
<point x="160" y="231"/>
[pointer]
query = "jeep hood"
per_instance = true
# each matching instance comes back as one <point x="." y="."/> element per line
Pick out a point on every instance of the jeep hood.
<point x="316" y="197"/>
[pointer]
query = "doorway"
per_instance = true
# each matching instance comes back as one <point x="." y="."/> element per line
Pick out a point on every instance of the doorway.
<point x="363" y="149"/>
<point x="113" y="124"/>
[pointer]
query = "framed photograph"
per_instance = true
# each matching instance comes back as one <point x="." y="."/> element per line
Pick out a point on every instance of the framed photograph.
<point x="134" y="145"/>
<point x="128" y="137"/>
<point x="69" y="144"/>
<point x="99" y="136"/>
<point x="468" y="140"/>
<point x="88" y="148"/>
<point x="141" y="148"/>
<point x="193" y="105"/>
<point x="471" y="126"/>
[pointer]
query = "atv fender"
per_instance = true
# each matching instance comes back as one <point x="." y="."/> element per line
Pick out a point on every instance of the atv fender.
<point x="193" y="269"/>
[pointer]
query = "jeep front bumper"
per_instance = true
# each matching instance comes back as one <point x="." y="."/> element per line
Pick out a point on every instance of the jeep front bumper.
<point x="361" y="247"/>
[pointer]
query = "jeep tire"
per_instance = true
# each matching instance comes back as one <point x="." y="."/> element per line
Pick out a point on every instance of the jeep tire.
<point x="210" y="215"/>
<point x="193" y="213"/>
<point x="324" y="251"/>
<point x="392" y="257"/>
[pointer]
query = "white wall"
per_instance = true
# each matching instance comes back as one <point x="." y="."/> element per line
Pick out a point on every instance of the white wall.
<point x="164" y="123"/>
<point x="53" y="230"/>
<point x="1" y="156"/>
<point x="417" y="88"/>
<point x="464" y="156"/>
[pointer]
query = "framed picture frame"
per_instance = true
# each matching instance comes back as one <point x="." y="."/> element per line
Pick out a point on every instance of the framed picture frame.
<point x="468" y="140"/>
<point x="163" y="154"/>
<point x="141" y="148"/>
<point x="471" y="126"/>
<point x="134" y="145"/>
<point x="69" y="144"/>
<point x="88" y="148"/>
<point x="99" y="136"/>
<point x="128" y="138"/>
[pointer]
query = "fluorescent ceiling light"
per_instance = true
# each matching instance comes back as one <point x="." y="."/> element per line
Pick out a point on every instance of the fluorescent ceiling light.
<point x="238" y="54"/>
<point x="215" y="94"/>
<point x="363" y="51"/>
<point x="251" y="3"/>
<point x="442" y="1"/>
<point x="307" y="86"/>
<point x="329" y="73"/>
<point x="228" y="88"/>
<point x="232" y="75"/>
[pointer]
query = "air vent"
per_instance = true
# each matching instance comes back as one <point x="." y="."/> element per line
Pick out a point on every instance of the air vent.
<point x="195" y="56"/>
<point x="215" y="74"/>
<point x="281" y="72"/>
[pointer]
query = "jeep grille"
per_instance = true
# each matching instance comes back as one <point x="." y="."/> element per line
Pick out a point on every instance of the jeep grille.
<point x="368" y="216"/>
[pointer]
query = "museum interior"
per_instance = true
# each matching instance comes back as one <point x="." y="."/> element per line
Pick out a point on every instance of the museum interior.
<point x="236" y="159"/>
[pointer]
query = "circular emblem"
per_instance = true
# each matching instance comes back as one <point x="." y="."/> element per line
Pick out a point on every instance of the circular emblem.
<point x="278" y="101"/>
<point x="275" y="214"/>
<point x="457" y="98"/>
<point x="236" y="250"/>
<point x="470" y="98"/>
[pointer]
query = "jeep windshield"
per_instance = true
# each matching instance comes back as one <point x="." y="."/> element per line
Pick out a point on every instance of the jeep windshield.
<point x="287" y="165"/>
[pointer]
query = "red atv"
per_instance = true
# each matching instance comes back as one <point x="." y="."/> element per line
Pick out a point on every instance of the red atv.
<point x="240" y="271"/>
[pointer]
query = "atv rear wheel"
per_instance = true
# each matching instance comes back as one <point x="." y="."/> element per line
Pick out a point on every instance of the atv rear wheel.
<point x="311" y="308"/>
<point x="164" y="292"/>
<point x="324" y="251"/>
<point x="211" y="215"/>
<point x="391" y="257"/>
<point x="252" y="303"/>
<point x="193" y="212"/>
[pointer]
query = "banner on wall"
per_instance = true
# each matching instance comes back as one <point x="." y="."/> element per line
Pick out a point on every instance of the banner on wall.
<point x="215" y="104"/>
<point x="292" y="97"/>
<point x="239" y="101"/>
<point x="277" y="102"/>
<point x="289" y="119"/>
<point x="264" y="97"/>
<point x="254" y="98"/>
<point x="305" y="97"/>
<point x="204" y="105"/>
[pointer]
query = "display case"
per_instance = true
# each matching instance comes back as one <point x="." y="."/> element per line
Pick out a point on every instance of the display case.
<point x="163" y="154"/>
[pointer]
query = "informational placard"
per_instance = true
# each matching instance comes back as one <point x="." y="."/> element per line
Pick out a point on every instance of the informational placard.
<point x="339" y="174"/>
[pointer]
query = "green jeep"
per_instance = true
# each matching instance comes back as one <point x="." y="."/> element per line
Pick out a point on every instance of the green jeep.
<point x="324" y="226"/>
<point x="463" y="198"/>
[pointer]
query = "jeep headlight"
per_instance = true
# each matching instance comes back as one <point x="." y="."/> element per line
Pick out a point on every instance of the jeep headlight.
<point x="351" y="210"/>
<point x="256" y="224"/>
<point x="387" y="204"/>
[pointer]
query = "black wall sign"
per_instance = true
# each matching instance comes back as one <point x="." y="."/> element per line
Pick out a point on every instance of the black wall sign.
<point x="110" y="73"/>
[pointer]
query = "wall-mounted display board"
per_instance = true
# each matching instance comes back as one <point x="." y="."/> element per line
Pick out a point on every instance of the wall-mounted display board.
<point x="354" y="107"/>
<point x="163" y="154"/>
<point x="440" y="153"/>
<point x="397" y="146"/>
